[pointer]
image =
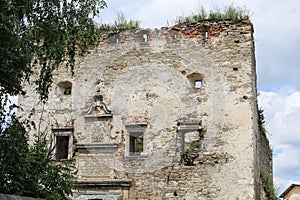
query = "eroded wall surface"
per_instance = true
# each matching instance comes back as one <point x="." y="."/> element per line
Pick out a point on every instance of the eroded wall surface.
<point x="167" y="113"/>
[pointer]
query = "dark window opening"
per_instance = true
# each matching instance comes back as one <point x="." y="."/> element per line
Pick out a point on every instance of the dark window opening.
<point x="64" y="87"/>
<point x="62" y="147"/>
<point x="136" y="143"/>
<point x="95" y="199"/>
<point x="67" y="91"/>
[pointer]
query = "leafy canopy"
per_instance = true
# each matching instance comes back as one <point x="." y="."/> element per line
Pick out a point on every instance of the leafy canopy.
<point x="36" y="36"/>
<point x="43" y="33"/>
<point x="28" y="170"/>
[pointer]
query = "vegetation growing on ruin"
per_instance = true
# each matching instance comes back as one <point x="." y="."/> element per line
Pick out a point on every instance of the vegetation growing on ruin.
<point x="188" y="158"/>
<point x="261" y="121"/>
<point x="268" y="186"/>
<point x="233" y="13"/>
<point x="121" y="23"/>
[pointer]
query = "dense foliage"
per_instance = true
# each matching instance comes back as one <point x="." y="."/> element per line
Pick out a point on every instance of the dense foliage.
<point x="28" y="170"/>
<point x="268" y="186"/>
<point x="43" y="33"/>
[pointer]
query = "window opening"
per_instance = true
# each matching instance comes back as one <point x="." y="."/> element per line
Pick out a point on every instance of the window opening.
<point x="67" y="91"/>
<point x="198" y="84"/>
<point x="206" y="34"/>
<point x="195" y="79"/>
<point x="145" y="37"/>
<point x="136" y="143"/>
<point x="62" y="146"/>
<point x="136" y="139"/>
<point x="64" y="87"/>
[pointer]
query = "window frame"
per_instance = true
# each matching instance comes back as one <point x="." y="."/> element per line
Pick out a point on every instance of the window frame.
<point x="62" y="132"/>
<point x="135" y="131"/>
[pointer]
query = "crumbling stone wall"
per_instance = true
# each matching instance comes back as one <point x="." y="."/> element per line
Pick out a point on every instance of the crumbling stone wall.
<point x="187" y="92"/>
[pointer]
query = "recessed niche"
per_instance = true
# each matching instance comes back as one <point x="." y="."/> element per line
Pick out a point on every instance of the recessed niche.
<point x="145" y="37"/>
<point x="196" y="80"/>
<point x="64" y="88"/>
<point x="114" y="38"/>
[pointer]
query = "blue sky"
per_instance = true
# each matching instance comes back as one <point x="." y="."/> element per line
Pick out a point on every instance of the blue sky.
<point x="277" y="41"/>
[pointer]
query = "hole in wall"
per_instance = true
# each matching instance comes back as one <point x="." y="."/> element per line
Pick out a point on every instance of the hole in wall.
<point x="235" y="69"/>
<point x="206" y="35"/>
<point x="198" y="84"/>
<point x="175" y="194"/>
<point x="64" y="88"/>
<point x="196" y="80"/>
<point x="145" y="37"/>
<point x="174" y="34"/>
<point x="113" y="38"/>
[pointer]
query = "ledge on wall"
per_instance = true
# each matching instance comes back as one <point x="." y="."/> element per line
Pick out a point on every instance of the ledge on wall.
<point x="108" y="183"/>
<point x="96" y="148"/>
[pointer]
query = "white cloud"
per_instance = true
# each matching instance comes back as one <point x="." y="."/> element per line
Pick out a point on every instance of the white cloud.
<point x="282" y="112"/>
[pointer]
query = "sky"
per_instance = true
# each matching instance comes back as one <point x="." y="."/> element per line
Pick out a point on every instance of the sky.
<point x="277" y="48"/>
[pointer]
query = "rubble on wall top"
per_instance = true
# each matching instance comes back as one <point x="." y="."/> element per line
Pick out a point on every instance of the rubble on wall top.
<point x="198" y="29"/>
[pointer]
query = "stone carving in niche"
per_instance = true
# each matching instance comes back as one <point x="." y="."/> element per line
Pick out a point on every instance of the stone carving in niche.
<point x="81" y="136"/>
<point x="98" y="133"/>
<point x="98" y="108"/>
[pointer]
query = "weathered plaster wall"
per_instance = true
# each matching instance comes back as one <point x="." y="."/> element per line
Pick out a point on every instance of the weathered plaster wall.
<point x="146" y="78"/>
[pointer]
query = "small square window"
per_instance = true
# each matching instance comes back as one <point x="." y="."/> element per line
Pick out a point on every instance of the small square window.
<point x="62" y="147"/>
<point x="198" y="84"/>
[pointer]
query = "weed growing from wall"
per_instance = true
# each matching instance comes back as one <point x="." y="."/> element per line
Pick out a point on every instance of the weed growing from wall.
<point x="236" y="14"/>
<point x="267" y="182"/>
<point x="261" y="121"/>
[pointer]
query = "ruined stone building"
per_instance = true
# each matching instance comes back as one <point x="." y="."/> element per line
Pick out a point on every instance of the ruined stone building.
<point x="166" y="113"/>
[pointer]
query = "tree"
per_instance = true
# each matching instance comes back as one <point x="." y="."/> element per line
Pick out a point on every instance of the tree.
<point x="28" y="170"/>
<point x="38" y="36"/>
<point x="44" y="33"/>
